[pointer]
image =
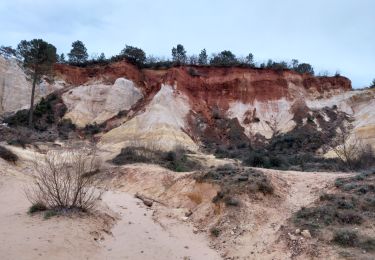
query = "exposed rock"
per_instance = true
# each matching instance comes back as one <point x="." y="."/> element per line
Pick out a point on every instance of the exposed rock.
<point x="306" y="233"/>
<point x="97" y="103"/>
<point x="15" y="88"/>
<point x="160" y="126"/>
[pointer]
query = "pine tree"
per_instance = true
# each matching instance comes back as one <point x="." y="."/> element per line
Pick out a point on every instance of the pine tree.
<point x="179" y="54"/>
<point x="134" y="55"/>
<point x="78" y="53"/>
<point x="38" y="57"/>
<point x="203" y="58"/>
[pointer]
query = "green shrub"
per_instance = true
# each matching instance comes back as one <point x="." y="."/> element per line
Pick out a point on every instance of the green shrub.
<point x="92" y="129"/>
<point x="19" y="141"/>
<point x="36" y="207"/>
<point x="230" y="201"/>
<point x="368" y="244"/>
<point x="275" y="161"/>
<point x="176" y="160"/>
<point x="50" y="213"/>
<point x="345" y="238"/>
<point x="349" y="217"/>
<point x="256" y="159"/>
<point x="214" y="231"/>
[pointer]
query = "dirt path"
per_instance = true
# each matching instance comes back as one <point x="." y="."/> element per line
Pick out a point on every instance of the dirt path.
<point x="137" y="236"/>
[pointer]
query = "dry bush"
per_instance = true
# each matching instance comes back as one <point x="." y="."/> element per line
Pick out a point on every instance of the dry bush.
<point x="65" y="180"/>
<point x="351" y="151"/>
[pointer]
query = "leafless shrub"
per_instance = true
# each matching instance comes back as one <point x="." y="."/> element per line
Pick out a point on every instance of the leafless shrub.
<point x="350" y="149"/>
<point x="65" y="180"/>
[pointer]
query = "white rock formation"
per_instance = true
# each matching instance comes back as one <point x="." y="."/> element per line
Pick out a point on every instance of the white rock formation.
<point x="15" y="88"/>
<point x="360" y="104"/>
<point x="160" y="126"/>
<point x="97" y="103"/>
<point x="274" y="114"/>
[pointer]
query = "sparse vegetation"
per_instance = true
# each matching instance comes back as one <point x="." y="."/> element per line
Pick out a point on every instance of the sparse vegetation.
<point x="353" y="207"/>
<point x="351" y="151"/>
<point x="50" y="213"/>
<point x="176" y="160"/>
<point x="37" y="207"/>
<point x="64" y="180"/>
<point x="345" y="237"/>
<point x="214" y="231"/>
<point x="235" y="180"/>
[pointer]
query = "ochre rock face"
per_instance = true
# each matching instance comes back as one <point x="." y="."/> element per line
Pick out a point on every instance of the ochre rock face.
<point x="181" y="101"/>
<point x="172" y="107"/>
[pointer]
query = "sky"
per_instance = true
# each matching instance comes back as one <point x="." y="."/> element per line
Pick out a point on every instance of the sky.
<point x="331" y="35"/>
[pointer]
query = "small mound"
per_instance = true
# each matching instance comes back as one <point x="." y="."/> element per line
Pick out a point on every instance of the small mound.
<point x="235" y="180"/>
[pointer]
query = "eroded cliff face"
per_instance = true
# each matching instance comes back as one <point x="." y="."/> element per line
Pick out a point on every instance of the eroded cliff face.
<point x="15" y="88"/>
<point x="179" y="106"/>
<point x="96" y="103"/>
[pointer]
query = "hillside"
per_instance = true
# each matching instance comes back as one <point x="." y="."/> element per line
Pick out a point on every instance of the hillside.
<point x="191" y="143"/>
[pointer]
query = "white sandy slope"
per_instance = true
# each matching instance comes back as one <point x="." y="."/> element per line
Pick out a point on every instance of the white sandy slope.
<point x="273" y="112"/>
<point x="97" y="103"/>
<point x="160" y="126"/>
<point x="360" y="104"/>
<point x="15" y="88"/>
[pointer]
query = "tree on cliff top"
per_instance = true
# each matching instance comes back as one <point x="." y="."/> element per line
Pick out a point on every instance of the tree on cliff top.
<point x="224" y="58"/>
<point x="304" y="68"/>
<point x="179" y="54"/>
<point x="134" y="55"/>
<point x="38" y="57"/>
<point x="203" y="58"/>
<point x="78" y="53"/>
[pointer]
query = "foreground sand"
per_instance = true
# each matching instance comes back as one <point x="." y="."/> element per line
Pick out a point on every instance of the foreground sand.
<point x="135" y="234"/>
<point x="124" y="228"/>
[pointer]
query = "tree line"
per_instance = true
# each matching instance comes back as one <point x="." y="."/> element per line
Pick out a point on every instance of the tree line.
<point x="78" y="56"/>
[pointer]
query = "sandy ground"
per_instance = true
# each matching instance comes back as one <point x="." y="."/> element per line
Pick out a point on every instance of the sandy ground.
<point x="135" y="231"/>
<point x="135" y="234"/>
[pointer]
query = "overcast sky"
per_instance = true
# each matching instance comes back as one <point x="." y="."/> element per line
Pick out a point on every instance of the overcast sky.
<point x="332" y="35"/>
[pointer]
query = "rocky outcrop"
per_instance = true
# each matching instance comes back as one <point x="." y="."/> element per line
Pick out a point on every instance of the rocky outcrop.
<point x="96" y="103"/>
<point x="15" y="88"/>
<point x="263" y="101"/>
<point x="160" y="126"/>
<point x="360" y="105"/>
<point x="164" y="108"/>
